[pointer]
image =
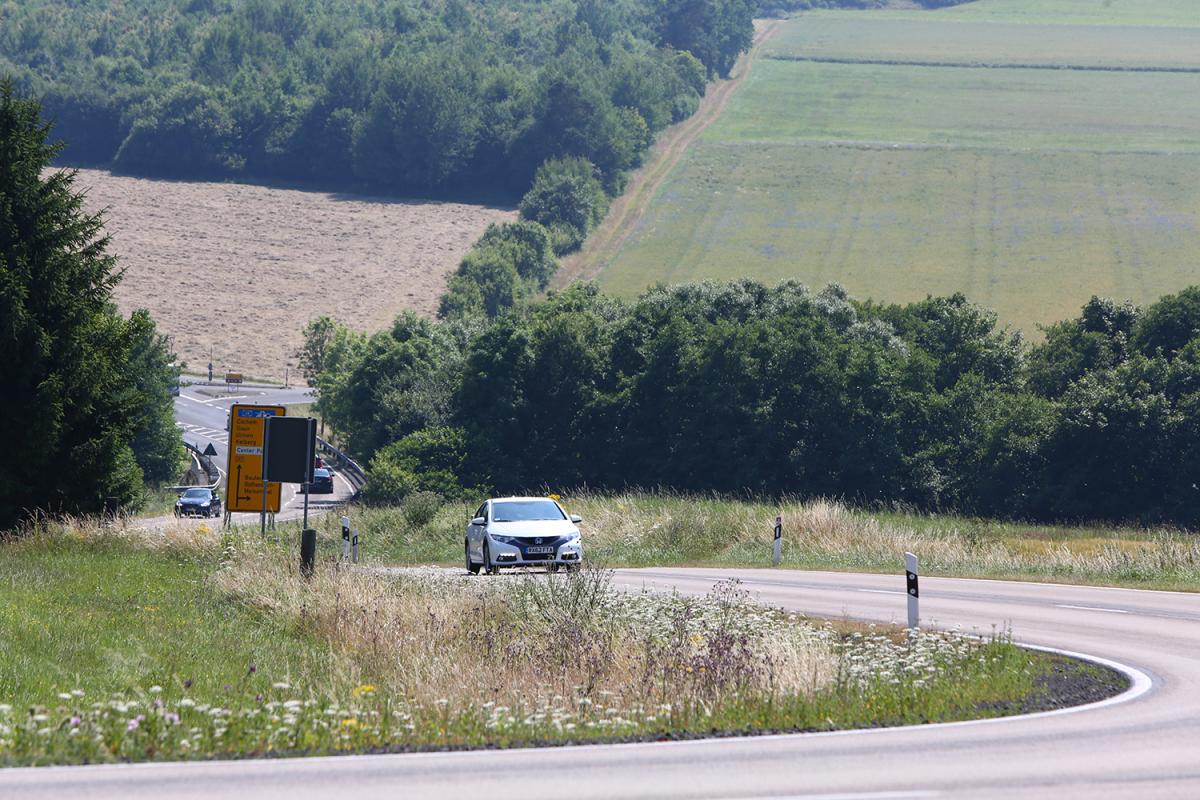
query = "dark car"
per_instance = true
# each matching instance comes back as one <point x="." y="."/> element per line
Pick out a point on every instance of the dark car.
<point x="322" y="482"/>
<point x="198" y="503"/>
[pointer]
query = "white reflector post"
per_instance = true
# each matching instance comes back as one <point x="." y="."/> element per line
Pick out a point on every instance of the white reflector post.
<point x="914" y="593"/>
<point x="345" y="538"/>
<point x="775" y="559"/>
<point x="354" y="546"/>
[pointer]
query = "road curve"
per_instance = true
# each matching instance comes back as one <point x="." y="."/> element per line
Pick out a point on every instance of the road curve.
<point x="1147" y="747"/>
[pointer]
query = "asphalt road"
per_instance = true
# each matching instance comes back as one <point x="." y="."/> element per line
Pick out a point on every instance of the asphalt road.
<point x="200" y="412"/>
<point x="1145" y="745"/>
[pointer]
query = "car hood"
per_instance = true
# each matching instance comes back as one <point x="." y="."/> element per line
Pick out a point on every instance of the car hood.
<point x="193" y="501"/>
<point x="546" y="527"/>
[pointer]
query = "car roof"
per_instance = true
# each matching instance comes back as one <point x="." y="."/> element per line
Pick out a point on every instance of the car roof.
<point x="506" y="499"/>
<point x="321" y="471"/>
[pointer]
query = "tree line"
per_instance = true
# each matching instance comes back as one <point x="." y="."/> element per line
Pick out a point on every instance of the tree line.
<point x="465" y="97"/>
<point x="738" y="387"/>
<point x="87" y="412"/>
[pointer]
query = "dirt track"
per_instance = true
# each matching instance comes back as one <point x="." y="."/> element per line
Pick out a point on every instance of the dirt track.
<point x="627" y="210"/>
<point x="244" y="268"/>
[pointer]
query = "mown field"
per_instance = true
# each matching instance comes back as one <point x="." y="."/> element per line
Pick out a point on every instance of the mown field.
<point x="242" y="268"/>
<point x="1157" y="13"/>
<point x="1030" y="189"/>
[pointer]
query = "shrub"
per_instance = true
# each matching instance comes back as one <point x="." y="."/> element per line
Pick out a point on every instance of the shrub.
<point x="420" y="508"/>
<point x="566" y="197"/>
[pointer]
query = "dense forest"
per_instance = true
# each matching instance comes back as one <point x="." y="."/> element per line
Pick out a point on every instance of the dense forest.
<point x="399" y="96"/>
<point x="87" y="412"/>
<point x="736" y="387"/>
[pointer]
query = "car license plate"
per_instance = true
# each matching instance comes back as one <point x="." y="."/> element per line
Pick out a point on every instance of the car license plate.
<point x="543" y="549"/>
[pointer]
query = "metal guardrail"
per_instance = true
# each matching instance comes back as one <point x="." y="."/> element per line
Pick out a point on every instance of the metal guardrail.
<point x="348" y="466"/>
<point x="206" y="463"/>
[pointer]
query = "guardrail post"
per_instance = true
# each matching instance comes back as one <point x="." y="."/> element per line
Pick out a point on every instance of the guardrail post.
<point x="914" y="594"/>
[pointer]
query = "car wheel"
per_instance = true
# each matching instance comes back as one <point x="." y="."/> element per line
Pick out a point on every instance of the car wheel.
<point x="472" y="567"/>
<point x="492" y="569"/>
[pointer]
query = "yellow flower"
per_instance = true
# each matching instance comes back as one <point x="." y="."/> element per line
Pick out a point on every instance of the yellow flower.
<point x="366" y="688"/>
<point x="555" y="497"/>
<point x="349" y="723"/>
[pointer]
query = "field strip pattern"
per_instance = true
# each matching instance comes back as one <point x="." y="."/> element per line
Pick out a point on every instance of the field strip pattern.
<point x="1028" y="165"/>
<point x="983" y="65"/>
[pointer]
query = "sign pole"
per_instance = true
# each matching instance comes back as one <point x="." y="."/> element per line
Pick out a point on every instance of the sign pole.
<point x="307" y="467"/>
<point x="778" y="555"/>
<point x="265" y="447"/>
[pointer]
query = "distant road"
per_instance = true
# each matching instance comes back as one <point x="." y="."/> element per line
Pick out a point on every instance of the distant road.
<point x="200" y="413"/>
<point x="1147" y="747"/>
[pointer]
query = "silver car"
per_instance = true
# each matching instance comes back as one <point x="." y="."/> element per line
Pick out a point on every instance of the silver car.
<point x="522" y="532"/>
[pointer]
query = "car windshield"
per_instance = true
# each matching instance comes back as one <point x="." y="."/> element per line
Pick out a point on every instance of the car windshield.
<point x="196" y="494"/>
<point x="320" y="473"/>
<point x="526" y="511"/>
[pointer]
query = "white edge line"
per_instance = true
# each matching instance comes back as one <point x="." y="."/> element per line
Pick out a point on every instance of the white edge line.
<point x="898" y="795"/>
<point x="1092" y="608"/>
<point x="1140" y="684"/>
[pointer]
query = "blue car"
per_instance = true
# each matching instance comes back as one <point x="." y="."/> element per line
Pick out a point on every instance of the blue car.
<point x="198" y="503"/>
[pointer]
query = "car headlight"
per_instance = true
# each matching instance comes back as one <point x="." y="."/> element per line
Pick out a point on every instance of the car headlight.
<point x="504" y="539"/>
<point x="204" y="505"/>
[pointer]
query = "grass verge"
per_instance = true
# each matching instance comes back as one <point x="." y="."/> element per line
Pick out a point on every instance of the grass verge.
<point x="658" y="529"/>
<point x="124" y="646"/>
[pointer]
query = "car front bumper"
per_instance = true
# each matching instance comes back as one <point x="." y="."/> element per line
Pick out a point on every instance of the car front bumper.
<point x="194" y="511"/>
<point x="511" y="555"/>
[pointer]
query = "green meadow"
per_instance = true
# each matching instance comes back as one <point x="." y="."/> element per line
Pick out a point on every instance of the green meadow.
<point x="1015" y="156"/>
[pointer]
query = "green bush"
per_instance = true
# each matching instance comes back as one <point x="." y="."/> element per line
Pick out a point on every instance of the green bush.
<point x="430" y="460"/>
<point x="568" y="198"/>
<point x="420" y="508"/>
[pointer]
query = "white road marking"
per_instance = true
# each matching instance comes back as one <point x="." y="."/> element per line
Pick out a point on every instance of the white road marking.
<point x="881" y="591"/>
<point x="850" y="796"/>
<point x="1092" y="608"/>
<point x="221" y="399"/>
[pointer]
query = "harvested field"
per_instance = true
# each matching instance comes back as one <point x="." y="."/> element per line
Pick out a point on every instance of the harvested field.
<point x="244" y="268"/>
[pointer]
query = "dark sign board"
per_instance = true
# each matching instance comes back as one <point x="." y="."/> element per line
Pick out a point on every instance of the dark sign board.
<point x="290" y="444"/>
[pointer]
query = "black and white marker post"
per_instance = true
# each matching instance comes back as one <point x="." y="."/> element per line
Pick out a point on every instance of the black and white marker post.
<point x="914" y="593"/>
<point x="354" y="546"/>
<point x="778" y="541"/>
<point x="345" y="538"/>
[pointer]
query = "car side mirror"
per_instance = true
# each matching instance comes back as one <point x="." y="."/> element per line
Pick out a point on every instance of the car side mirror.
<point x="576" y="519"/>
<point x="479" y="521"/>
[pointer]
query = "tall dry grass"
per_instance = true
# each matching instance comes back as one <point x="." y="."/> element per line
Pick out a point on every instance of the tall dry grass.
<point x="528" y="640"/>
<point x="646" y="528"/>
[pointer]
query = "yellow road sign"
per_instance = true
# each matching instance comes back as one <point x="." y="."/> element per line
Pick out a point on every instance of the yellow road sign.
<point x="247" y="434"/>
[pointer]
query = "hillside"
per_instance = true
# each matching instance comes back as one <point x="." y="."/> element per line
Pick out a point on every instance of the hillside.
<point x="243" y="268"/>
<point x="1028" y="154"/>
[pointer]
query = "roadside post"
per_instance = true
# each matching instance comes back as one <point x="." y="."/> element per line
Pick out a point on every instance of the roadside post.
<point x="914" y="594"/>
<point x="308" y="551"/>
<point x="778" y="555"/>
<point x="345" y="538"/>
<point x="354" y="545"/>
<point x="289" y="443"/>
